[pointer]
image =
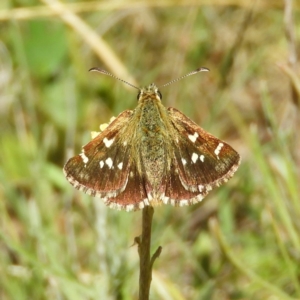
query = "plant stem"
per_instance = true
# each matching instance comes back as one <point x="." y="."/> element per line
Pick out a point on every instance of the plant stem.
<point x="146" y="262"/>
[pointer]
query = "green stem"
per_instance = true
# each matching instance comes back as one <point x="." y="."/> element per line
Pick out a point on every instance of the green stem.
<point x="146" y="262"/>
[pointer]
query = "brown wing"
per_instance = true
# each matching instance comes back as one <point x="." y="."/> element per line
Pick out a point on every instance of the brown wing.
<point x="104" y="170"/>
<point x="200" y="162"/>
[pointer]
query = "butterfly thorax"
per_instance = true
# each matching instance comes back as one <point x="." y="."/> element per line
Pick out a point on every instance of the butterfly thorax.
<point x="151" y="134"/>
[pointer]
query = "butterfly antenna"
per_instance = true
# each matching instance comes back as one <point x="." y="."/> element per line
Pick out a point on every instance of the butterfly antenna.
<point x="202" y="69"/>
<point x="111" y="75"/>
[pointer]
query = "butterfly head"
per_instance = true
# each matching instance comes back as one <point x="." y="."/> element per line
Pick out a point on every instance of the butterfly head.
<point x="151" y="91"/>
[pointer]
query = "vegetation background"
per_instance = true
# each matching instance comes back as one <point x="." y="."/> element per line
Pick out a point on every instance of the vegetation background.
<point x="243" y="241"/>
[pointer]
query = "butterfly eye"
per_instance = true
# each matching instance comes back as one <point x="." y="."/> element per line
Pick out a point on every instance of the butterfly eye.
<point x="159" y="94"/>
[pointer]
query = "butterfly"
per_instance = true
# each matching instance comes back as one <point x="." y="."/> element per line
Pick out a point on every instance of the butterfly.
<point x="151" y="155"/>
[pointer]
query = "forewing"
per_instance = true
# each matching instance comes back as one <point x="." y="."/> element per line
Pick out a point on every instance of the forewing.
<point x="202" y="161"/>
<point x="103" y="167"/>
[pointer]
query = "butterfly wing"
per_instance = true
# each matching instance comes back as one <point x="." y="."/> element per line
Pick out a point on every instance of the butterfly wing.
<point x="104" y="168"/>
<point x="200" y="162"/>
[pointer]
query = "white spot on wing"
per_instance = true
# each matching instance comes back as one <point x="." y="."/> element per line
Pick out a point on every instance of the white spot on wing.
<point x="89" y="192"/>
<point x="200" y="197"/>
<point x="85" y="159"/>
<point x="125" y="143"/>
<point x="218" y="149"/>
<point x="183" y="161"/>
<point x="194" y="157"/>
<point x="129" y="207"/>
<point x="101" y="164"/>
<point x="195" y="200"/>
<point x="183" y="202"/>
<point x="120" y="166"/>
<point x="165" y="200"/>
<point x="193" y="138"/>
<point x="108" y="142"/>
<point x="202" y="158"/>
<point x="109" y="162"/>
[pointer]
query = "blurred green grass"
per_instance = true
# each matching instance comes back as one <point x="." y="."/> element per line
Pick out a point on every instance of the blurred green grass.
<point x="242" y="242"/>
